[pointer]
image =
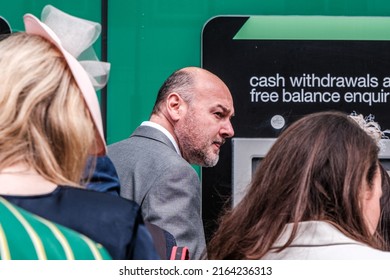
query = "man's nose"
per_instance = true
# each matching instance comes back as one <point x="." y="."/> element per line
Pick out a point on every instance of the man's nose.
<point x="227" y="130"/>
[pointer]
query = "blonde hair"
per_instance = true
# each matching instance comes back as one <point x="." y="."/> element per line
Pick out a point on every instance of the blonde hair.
<point x="43" y="118"/>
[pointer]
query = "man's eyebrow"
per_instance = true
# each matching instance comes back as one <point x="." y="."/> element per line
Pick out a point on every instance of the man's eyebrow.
<point x="224" y="109"/>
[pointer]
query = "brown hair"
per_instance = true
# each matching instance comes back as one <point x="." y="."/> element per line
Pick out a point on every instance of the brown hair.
<point x="384" y="225"/>
<point x="43" y="118"/>
<point x="314" y="171"/>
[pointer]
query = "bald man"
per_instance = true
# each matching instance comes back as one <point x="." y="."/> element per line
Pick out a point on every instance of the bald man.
<point x="189" y="123"/>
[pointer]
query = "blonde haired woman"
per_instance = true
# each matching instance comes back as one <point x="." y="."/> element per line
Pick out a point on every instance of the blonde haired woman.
<point x="49" y="123"/>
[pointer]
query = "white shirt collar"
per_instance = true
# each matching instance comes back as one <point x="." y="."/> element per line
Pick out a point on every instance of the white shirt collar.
<point x="163" y="130"/>
<point x="313" y="233"/>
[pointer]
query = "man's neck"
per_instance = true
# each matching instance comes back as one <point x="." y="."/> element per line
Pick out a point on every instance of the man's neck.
<point x="166" y="128"/>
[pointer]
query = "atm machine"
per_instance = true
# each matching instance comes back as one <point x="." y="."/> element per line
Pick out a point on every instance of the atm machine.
<point x="281" y="68"/>
<point x="247" y="154"/>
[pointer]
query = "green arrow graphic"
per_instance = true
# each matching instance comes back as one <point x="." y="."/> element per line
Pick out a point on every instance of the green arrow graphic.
<point x="315" y="28"/>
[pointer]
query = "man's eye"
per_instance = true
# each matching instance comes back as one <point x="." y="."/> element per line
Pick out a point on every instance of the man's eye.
<point x="218" y="114"/>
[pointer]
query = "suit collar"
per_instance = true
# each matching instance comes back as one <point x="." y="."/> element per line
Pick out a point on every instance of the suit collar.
<point x="154" y="134"/>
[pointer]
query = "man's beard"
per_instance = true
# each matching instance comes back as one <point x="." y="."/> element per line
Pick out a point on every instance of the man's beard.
<point x="194" y="147"/>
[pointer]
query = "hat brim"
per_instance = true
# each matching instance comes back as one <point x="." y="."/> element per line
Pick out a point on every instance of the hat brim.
<point x="5" y="28"/>
<point x="34" y="26"/>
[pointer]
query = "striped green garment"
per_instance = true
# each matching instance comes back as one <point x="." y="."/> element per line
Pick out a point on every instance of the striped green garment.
<point x="25" y="236"/>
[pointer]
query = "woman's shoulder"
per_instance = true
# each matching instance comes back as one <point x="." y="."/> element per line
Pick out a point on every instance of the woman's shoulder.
<point x="362" y="251"/>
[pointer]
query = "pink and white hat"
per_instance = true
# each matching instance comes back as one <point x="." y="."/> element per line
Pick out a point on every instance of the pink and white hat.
<point x="74" y="38"/>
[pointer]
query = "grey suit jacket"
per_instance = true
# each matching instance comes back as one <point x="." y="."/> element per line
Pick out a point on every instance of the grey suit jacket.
<point x="163" y="183"/>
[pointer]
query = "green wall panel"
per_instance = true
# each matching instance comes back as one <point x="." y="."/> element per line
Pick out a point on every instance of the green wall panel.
<point x="14" y="11"/>
<point x="148" y="39"/>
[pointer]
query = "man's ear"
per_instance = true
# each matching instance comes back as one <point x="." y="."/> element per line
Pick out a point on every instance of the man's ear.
<point x="176" y="107"/>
